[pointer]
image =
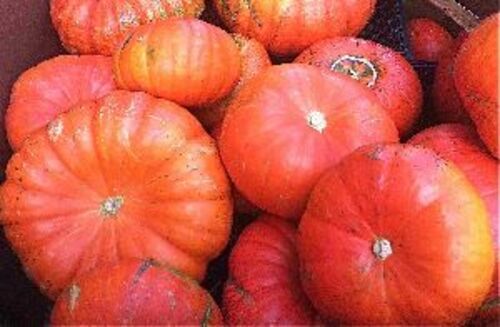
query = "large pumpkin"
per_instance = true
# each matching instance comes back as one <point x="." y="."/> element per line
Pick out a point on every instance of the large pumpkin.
<point x="395" y="235"/>
<point x="53" y="87"/>
<point x="476" y="78"/>
<point x="264" y="284"/>
<point x="254" y="59"/>
<point x="291" y="123"/>
<point x="99" y="26"/>
<point x="286" y="27"/>
<point x="126" y="176"/>
<point x="386" y="72"/>
<point x="461" y="145"/>
<point x="135" y="292"/>
<point x="187" y="61"/>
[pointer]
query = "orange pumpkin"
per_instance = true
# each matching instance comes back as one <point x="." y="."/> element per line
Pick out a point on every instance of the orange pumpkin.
<point x="395" y="235"/>
<point x="476" y="79"/>
<point x="286" y="27"/>
<point x="98" y="27"/>
<point x="126" y="176"/>
<point x="53" y="87"/>
<point x="186" y="61"/>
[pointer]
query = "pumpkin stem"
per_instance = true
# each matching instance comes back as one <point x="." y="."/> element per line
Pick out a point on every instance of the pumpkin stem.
<point x="317" y="120"/>
<point x="357" y="67"/>
<point x="456" y="11"/>
<point x="382" y="248"/>
<point x="111" y="206"/>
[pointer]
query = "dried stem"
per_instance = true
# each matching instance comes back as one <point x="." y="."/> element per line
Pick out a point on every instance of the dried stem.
<point x="461" y="15"/>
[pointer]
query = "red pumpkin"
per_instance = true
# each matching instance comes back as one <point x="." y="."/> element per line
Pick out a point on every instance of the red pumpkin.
<point x="476" y="79"/>
<point x="287" y="27"/>
<point x="52" y="87"/>
<point x="126" y="176"/>
<point x="461" y="145"/>
<point x="446" y="102"/>
<point x="254" y="59"/>
<point x="384" y="71"/>
<point x="135" y="292"/>
<point x="395" y="235"/>
<point x="186" y="61"/>
<point x="98" y="27"/>
<point x="291" y="123"/>
<point x="264" y="284"/>
<point x="429" y="41"/>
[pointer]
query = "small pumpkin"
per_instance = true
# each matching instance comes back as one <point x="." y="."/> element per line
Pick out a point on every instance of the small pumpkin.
<point x="264" y="284"/>
<point x="98" y="27"/>
<point x="53" y="87"/>
<point x="127" y="176"/>
<point x="387" y="73"/>
<point x="429" y="41"/>
<point x="254" y="59"/>
<point x="186" y="61"/>
<point x="476" y="79"/>
<point x="135" y="292"/>
<point x="288" y="125"/>
<point x="287" y="27"/>
<point x="395" y="235"/>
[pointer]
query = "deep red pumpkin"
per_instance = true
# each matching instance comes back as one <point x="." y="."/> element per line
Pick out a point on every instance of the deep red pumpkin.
<point x="476" y="79"/>
<point x="384" y="71"/>
<point x="126" y="176"/>
<point x="291" y="123"/>
<point x="287" y="27"/>
<point x="461" y="145"/>
<point x="429" y="41"/>
<point x="264" y="284"/>
<point x="99" y="26"/>
<point x="53" y="87"/>
<point x="254" y="59"/>
<point x="135" y="292"/>
<point x="395" y="235"/>
<point x="186" y="61"/>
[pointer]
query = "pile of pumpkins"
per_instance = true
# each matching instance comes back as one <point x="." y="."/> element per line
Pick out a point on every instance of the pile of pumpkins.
<point x="134" y="153"/>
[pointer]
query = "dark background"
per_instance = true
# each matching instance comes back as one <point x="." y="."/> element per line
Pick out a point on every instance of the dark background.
<point x="27" y="38"/>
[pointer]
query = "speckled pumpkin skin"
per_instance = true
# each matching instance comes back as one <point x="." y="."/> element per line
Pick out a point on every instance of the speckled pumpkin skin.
<point x="99" y="26"/>
<point x="127" y="176"/>
<point x="135" y="292"/>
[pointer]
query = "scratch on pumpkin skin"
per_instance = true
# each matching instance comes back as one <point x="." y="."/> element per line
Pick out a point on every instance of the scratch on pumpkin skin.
<point x="143" y="268"/>
<point x="55" y="129"/>
<point x="74" y="295"/>
<point x="208" y="313"/>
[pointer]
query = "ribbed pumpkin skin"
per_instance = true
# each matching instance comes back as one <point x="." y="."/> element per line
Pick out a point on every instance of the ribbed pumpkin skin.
<point x="126" y="176"/>
<point x="186" y="61"/>
<point x="135" y="292"/>
<point x="287" y="27"/>
<point x="264" y="284"/>
<point x="53" y="87"/>
<point x="254" y="59"/>
<point x="291" y="123"/>
<point x="442" y="257"/>
<point x="99" y="26"/>
<point x="395" y="82"/>
<point x="448" y="107"/>
<point x="429" y="41"/>
<point x="461" y="145"/>
<point x="476" y="78"/>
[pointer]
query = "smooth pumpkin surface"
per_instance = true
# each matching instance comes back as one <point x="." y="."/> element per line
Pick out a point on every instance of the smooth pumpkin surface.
<point x="395" y="235"/>
<point x="186" y="61"/>
<point x="429" y="41"/>
<point x="264" y="284"/>
<point x="99" y="26"/>
<point x="291" y="123"/>
<point x="476" y="79"/>
<point x="384" y="71"/>
<point x="126" y="176"/>
<point x="287" y="27"/>
<point x="135" y="292"/>
<point x="254" y="59"/>
<point x="461" y="145"/>
<point x="53" y="87"/>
